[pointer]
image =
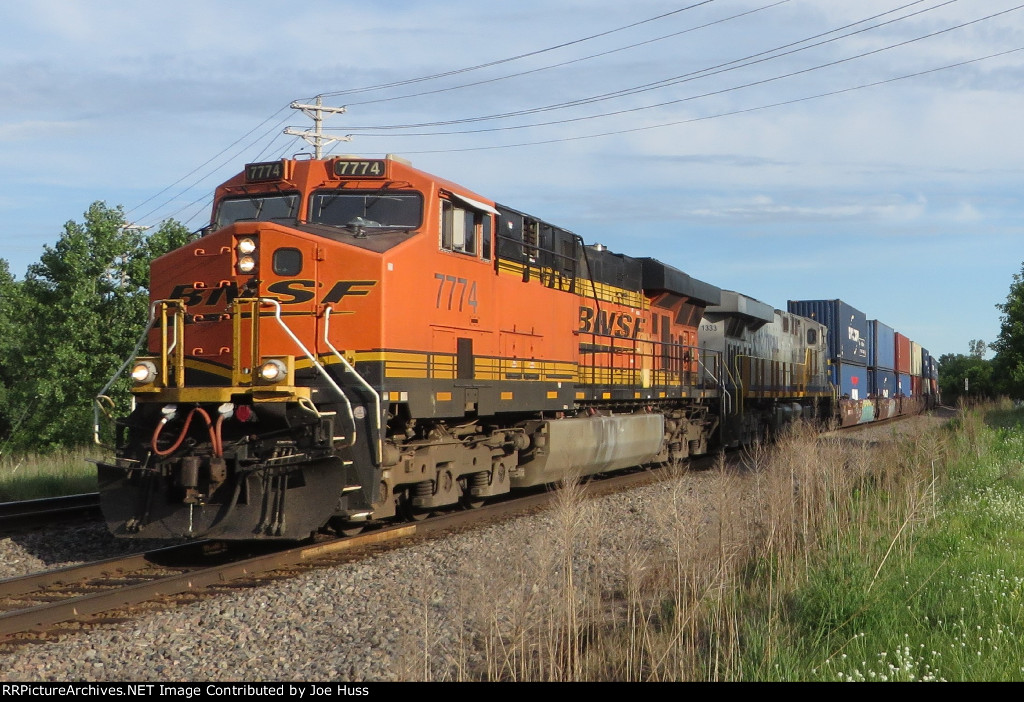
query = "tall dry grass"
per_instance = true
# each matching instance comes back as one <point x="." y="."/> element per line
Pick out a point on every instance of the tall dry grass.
<point x="32" y="476"/>
<point x="701" y="588"/>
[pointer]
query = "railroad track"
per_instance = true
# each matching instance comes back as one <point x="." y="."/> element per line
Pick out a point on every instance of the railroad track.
<point x="92" y="594"/>
<point x="48" y="511"/>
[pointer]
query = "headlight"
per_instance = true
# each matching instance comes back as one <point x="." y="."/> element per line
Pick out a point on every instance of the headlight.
<point x="144" y="372"/>
<point x="273" y="370"/>
<point x="246" y="264"/>
<point x="246" y="246"/>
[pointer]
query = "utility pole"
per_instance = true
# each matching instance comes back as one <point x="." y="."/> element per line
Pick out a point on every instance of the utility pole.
<point x="316" y="137"/>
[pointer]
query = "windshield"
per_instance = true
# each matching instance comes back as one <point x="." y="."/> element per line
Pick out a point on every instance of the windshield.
<point x="367" y="209"/>
<point x="278" y="208"/>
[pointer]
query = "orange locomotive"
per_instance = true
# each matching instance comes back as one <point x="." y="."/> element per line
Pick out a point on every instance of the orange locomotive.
<point x="353" y="339"/>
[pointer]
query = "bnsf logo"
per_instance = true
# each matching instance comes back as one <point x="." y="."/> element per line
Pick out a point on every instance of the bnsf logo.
<point x="602" y="323"/>
<point x="288" y="292"/>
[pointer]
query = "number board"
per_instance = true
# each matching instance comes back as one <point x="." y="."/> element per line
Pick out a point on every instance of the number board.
<point x="263" y="172"/>
<point x="361" y="168"/>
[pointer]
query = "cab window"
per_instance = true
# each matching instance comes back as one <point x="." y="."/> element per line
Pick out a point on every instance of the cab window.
<point x="463" y="229"/>
<point x="272" y="208"/>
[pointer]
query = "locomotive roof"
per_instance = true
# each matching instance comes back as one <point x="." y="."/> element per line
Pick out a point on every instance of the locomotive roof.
<point x="661" y="276"/>
<point x="736" y="304"/>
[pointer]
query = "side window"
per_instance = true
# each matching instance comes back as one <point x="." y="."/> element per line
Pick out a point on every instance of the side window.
<point x="812" y="336"/>
<point x="287" y="261"/>
<point x="461" y="229"/>
<point x="485" y="237"/>
<point x="531" y="239"/>
<point x="447" y="224"/>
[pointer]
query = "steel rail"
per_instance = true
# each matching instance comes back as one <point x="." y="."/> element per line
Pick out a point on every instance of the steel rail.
<point x="48" y="511"/>
<point x="40" y="601"/>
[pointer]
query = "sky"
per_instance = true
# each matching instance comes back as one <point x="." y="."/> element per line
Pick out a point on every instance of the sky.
<point x="870" y="151"/>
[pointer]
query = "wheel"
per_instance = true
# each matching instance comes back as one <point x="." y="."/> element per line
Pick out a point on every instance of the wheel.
<point x="342" y="527"/>
<point x="468" y="500"/>
<point x="472" y="503"/>
<point x="410" y="513"/>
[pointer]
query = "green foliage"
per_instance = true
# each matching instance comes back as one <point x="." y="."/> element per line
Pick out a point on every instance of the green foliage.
<point x="10" y="340"/>
<point x="950" y="606"/>
<point x="74" y="319"/>
<point x="1009" y="347"/>
<point x="954" y="369"/>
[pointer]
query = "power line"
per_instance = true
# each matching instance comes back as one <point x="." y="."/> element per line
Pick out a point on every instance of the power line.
<point x="730" y="113"/>
<point x="206" y="163"/>
<point x="581" y="59"/>
<point x="736" y="64"/>
<point x="706" y="72"/>
<point x="217" y="168"/>
<point x="229" y="159"/>
<point x="458" y="71"/>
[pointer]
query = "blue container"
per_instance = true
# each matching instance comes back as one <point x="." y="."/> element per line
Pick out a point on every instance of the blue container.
<point x="903" y="384"/>
<point x="881" y="345"/>
<point x="847" y="328"/>
<point x="881" y="383"/>
<point x="852" y="380"/>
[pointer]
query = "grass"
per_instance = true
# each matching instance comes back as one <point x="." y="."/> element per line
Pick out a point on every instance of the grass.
<point x="950" y="608"/>
<point x="830" y="561"/>
<point x="32" y="476"/>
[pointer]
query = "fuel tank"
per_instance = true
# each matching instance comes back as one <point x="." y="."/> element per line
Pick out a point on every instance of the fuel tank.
<point x="565" y="448"/>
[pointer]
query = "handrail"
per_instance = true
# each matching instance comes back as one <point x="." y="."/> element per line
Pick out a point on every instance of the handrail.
<point x="370" y="388"/>
<point x="102" y="394"/>
<point x="312" y="359"/>
<point x="719" y="383"/>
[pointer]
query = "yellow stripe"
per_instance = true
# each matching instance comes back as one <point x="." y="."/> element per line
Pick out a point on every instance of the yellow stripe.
<point x="444" y="366"/>
<point x="585" y="287"/>
<point x="206" y="367"/>
<point x="440" y="366"/>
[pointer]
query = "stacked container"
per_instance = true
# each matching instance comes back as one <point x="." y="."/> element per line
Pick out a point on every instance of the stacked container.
<point x="882" y="359"/>
<point x="847" y="343"/>
<point x="881" y="368"/>
<point x="903" y="364"/>
<point x="929" y="379"/>
<point x="915" y="359"/>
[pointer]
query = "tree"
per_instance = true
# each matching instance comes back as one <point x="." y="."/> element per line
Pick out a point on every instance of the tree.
<point x="84" y="305"/>
<point x="955" y="369"/>
<point x="10" y="343"/>
<point x="978" y="348"/>
<point x="1009" y="347"/>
